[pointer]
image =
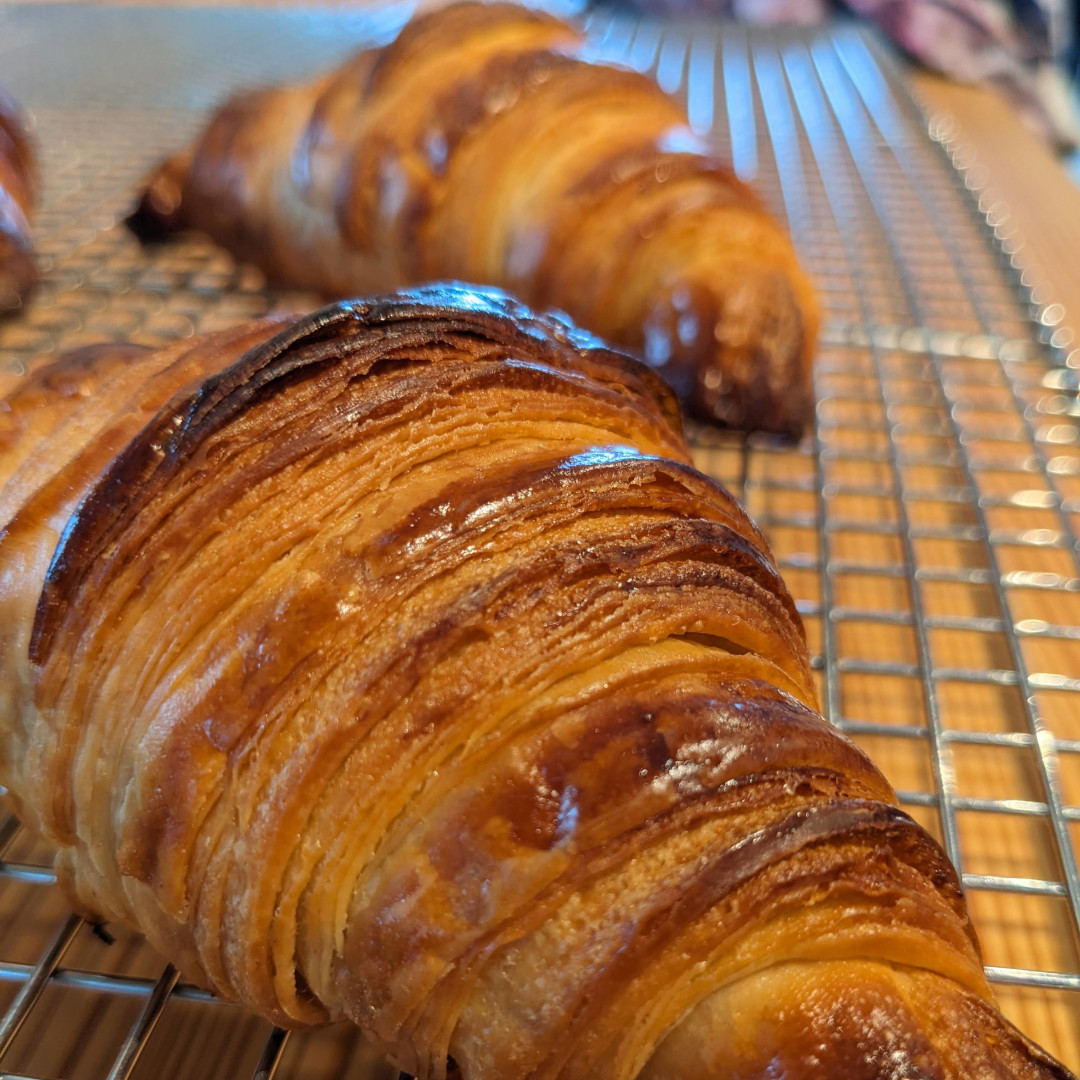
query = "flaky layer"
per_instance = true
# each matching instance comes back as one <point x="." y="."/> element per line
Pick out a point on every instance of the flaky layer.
<point x="481" y="146"/>
<point x="394" y="664"/>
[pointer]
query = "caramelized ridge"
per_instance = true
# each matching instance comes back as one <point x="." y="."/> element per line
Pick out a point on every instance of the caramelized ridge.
<point x="630" y="733"/>
<point x="392" y="688"/>
<point x="815" y="1012"/>
<point x="414" y="127"/>
<point x="451" y="28"/>
<point x="489" y="219"/>
<point x="442" y="121"/>
<point x="147" y="463"/>
<point x="625" y="196"/>
<point x="790" y="859"/>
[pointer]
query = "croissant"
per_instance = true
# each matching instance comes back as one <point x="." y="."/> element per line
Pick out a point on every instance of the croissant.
<point x="17" y="197"/>
<point x="393" y="663"/>
<point x="481" y="146"/>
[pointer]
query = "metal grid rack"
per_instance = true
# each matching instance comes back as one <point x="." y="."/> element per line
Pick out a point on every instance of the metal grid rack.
<point x="928" y="530"/>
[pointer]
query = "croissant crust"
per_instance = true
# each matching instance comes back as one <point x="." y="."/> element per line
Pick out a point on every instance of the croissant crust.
<point x="481" y="145"/>
<point x="18" y="194"/>
<point x="395" y="664"/>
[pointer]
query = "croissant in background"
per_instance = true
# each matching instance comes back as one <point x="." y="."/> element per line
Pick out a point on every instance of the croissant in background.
<point x="18" y="193"/>
<point x="393" y="663"/>
<point x="480" y="146"/>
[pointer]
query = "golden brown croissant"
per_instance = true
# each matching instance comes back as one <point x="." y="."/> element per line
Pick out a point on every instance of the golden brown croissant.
<point x="479" y="146"/>
<point x="17" y="197"/>
<point x="393" y="663"/>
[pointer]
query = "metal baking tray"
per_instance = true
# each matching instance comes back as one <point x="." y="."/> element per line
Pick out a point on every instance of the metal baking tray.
<point x="928" y="528"/>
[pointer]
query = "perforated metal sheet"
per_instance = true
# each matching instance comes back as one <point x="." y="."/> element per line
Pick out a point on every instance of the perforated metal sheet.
<point x="929" y="530"/>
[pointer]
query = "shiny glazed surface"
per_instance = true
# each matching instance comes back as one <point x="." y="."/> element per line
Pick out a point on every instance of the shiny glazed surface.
<point x="394" y="664"/>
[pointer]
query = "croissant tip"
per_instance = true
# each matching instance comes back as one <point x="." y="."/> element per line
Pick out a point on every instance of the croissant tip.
<point x="159" y="212"/>
<point x="754" y="411"/>
<point x="147" y="224"/>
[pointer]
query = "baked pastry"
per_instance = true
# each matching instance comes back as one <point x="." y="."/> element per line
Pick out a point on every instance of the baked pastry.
<point x="394" y="663"/>
<point x="18" y="193"/>
<point x="480" y="146"/>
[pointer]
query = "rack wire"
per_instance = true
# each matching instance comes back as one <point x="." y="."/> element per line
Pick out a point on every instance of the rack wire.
<point x="929" y="529"/>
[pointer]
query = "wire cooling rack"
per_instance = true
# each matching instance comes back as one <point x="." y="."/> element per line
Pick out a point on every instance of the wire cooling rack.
<point x="928" y="531"/>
